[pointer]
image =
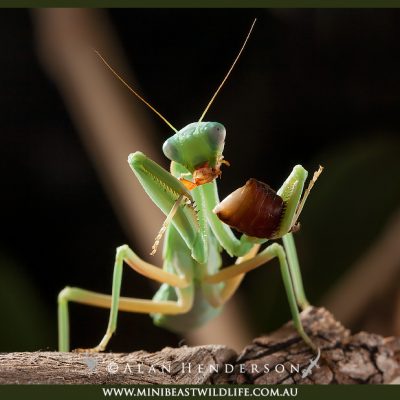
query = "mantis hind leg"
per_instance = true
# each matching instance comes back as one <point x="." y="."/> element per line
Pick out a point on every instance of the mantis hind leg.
<point x="233" y="274"/>
<point x="295" y="273"/>
<point x="288" y="282"/>
<point x="115" y="302"/>
<point x="231" y="285"/>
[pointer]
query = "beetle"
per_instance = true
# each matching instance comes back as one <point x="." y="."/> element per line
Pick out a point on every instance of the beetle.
<point x="197" y="228"/>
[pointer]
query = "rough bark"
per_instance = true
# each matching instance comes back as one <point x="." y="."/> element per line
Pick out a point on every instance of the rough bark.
<point x="345" y="358"/>
<point x="280" y="357"/>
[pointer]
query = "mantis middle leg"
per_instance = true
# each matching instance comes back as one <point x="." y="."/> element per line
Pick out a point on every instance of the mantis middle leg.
<point x="231" y="274"/>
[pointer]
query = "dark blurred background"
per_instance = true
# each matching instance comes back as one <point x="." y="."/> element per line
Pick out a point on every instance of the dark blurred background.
<point x="312" y="87"/>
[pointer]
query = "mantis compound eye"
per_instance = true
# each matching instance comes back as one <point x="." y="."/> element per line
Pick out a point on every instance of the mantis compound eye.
<point x="215" y="133"/>
<point x="254" y="209"/>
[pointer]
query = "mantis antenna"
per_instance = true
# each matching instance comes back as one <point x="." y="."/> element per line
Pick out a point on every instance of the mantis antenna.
<point x="228" y="73"/>
<point x="133" y="91"/>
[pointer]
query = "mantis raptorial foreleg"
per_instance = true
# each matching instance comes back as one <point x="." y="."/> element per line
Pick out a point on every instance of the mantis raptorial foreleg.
<point x="275" y="250"/>
<point x="115" y="302"/>
<point x="165" y="190"/>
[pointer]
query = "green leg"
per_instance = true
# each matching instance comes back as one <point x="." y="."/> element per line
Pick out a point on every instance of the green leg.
<point x="293" y="261"/>
<point x="63" y="321"/>
<point x="275" y="250"/>
<point x="115" y="302"/>
<point x="289" y="287"/>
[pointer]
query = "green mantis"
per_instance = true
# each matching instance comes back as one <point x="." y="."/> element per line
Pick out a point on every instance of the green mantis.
<point x="194" y="288"/>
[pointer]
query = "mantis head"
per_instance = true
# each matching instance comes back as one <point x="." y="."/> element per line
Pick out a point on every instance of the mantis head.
<point x="198" y="147"/>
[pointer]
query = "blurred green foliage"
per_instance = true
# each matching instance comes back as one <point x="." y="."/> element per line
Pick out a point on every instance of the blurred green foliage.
<point x="26" y="323"/>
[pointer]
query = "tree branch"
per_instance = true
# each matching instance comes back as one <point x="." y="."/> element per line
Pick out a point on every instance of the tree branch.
<point x="280" y="357"/>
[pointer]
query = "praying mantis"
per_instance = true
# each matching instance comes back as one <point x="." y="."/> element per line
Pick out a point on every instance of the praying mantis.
<point x="197" y="229"/>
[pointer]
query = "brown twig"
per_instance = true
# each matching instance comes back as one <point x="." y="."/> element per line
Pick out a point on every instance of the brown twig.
<point x="281" y="357"/>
